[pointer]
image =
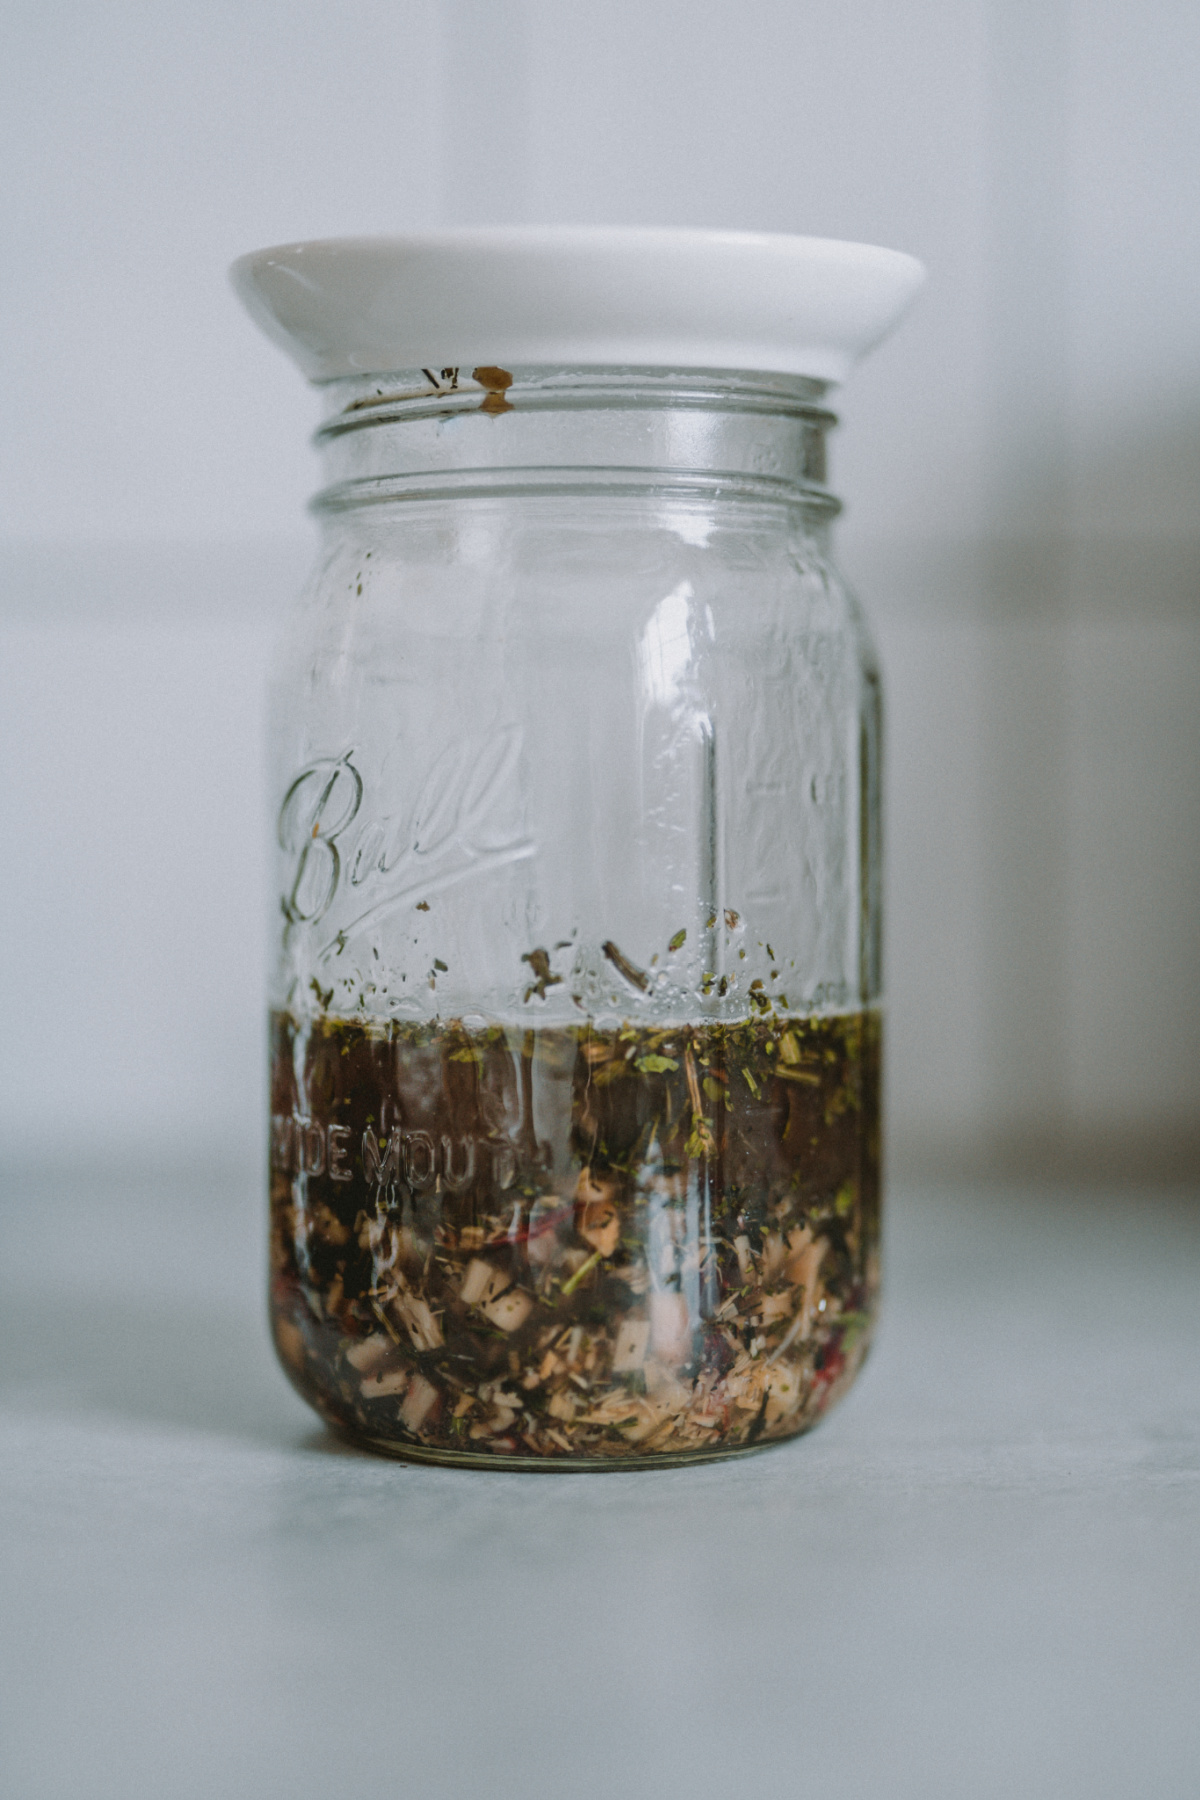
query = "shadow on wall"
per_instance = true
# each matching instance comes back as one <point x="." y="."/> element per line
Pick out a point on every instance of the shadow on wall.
<point x="1044" y="827"/>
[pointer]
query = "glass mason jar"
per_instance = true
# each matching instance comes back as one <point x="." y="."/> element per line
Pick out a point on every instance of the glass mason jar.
<point x="575" y="1024"/>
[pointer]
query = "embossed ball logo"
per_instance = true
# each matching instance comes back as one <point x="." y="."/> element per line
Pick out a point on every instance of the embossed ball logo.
<point x="322" y="801"/>
<point x="466" y="819"/>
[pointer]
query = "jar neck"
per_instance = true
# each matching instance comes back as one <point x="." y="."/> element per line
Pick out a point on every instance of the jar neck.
<point x="459" y="432"/>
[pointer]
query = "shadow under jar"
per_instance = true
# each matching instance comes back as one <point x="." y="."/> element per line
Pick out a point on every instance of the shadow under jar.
<point x="575" y="1003"/>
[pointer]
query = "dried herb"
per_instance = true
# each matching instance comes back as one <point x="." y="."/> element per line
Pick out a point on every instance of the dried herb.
<point x="571" y="1245"/>
<point x="634" y="976"/>
<point x="544" y="976"/>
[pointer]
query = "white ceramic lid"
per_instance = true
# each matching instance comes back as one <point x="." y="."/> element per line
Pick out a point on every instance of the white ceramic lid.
<point x="577" y="295"/>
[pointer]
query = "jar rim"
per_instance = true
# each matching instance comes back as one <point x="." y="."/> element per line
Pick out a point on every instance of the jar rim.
<point x="542" y="430"/>
<point x="410" y="394"/>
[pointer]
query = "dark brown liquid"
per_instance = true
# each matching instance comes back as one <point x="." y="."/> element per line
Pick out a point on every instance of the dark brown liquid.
<point x="573" y="1245"/>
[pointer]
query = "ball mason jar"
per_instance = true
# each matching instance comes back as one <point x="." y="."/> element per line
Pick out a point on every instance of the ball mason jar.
<point x="575" y="1003"/>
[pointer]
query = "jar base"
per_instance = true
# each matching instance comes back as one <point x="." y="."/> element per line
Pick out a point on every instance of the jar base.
<point x="562" y="1465"/>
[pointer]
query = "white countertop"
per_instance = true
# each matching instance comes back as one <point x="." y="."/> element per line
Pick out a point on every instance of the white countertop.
<point x="981" y="1577"/>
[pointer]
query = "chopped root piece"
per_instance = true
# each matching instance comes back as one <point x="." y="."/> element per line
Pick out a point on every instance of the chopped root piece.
<point x="492" y="1291"/>
<point x="595" y="1190"/>
<point x="784" y="1390"/>
<point x="508" y="1311"/>
<point x="630" y="1414"/>
<point x="418" y="1404"/>
<point x="384" y="1387"/>
<point x="477" y="1281"/>
<point x="807" y="1263"/>
<point x="419" y="1321"/>
<point x="600" y="1226"/>
<point x="368" y="1353"/>
<point x="776" y="1307"/>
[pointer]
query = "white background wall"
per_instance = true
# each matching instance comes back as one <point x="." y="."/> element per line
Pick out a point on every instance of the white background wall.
<point x="1021" y="466"/>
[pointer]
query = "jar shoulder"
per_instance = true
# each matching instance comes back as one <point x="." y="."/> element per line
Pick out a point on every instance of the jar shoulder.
<point x="585" y="580"/>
